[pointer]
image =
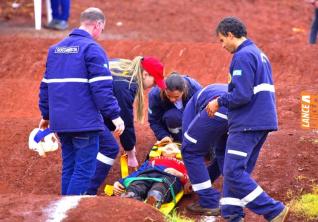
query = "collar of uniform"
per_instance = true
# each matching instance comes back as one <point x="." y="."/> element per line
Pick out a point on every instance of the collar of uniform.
<point x="81" y="32"/>
<point x="245" y="43"/>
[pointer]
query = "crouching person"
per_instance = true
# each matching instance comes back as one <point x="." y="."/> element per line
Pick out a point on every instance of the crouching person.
<point x="158" y="180"/>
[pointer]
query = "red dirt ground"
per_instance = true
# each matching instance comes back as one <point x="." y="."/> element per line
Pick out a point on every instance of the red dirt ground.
<point x="181" y="34"/>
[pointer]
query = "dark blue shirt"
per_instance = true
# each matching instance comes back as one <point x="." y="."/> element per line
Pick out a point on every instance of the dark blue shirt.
<point x="77" y="88"/>
<point x="251" y="95"/>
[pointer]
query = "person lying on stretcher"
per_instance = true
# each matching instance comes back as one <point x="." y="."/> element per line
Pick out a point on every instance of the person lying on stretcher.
<point x="157" y="180"/>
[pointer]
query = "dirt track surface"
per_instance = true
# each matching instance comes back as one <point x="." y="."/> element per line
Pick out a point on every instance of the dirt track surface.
<point x="181" y="34"/>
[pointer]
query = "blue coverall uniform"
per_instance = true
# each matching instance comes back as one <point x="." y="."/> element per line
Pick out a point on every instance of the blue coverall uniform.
<point x="125" y="92"/>
<point x="75" y="94"/>
<point x="201" y="134"/>
<point x="164" y="117"/>
<point x="251" y="115"/>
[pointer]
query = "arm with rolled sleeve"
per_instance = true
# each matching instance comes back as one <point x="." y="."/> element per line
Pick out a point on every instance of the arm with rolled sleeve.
<point x="155" y="114"/>
<point x="242" y="84"/>
<point x="101" y="84"/>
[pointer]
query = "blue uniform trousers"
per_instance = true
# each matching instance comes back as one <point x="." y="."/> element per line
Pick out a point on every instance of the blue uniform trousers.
<point x="201" y="134"/>
<point x="79" y="152"/>
<point x="172" y="119"/>
<point x="239" y="189"/>
<point x="60" y="9"/>
<point x="108" y="150"/>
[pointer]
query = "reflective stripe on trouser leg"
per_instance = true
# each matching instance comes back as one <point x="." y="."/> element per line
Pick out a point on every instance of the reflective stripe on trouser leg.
<point x="204" y="131"/>
<point x="239" y="189"/>
<point x="108" y="151"/>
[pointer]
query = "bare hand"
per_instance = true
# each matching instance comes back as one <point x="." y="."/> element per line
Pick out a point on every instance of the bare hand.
<point x="212" y="107"/>
<point x="118" y="188"/>
<point x="119" y="124"/>
<point x="132" y="160"/>
<point x="187" y="188"/>
<point x="165" y="140"/>
<point x="44" y="124"/>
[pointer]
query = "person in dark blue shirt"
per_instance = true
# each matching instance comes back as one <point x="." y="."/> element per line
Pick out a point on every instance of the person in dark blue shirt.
<point x="75" y="94"/>
<point x="130" y="79"/>
<point x="251" y="116"/>
<point x="166" y="106"/>
<point x="204" y="135"/>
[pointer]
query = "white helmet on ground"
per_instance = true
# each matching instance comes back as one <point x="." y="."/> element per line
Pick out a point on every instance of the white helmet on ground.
<point x="43" y="141"/>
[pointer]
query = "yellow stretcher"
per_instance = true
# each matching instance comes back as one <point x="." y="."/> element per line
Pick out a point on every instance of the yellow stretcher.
<point x="165" y="208"/>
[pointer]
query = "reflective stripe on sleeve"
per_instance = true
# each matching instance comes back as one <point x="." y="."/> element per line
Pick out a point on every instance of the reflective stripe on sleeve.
<point x="191" y="139"/>
<point x="236" y="152"/>
<point x="221" y="115"/>
<point x="264" y="87"/>
<point x="80" y="80"/>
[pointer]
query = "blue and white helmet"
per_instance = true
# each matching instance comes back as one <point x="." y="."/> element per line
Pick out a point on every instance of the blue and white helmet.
<point x="43" y="141"/>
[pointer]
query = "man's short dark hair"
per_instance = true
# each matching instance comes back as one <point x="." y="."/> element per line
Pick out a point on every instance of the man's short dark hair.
<point x="233" y="25"/>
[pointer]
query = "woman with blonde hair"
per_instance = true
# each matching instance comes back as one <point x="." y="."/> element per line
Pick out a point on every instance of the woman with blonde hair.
<point x="130" y="79"/>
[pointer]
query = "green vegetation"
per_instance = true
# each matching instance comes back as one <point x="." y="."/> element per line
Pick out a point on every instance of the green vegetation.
<point x="176" y="217"/>
<point x="306" y="205"/>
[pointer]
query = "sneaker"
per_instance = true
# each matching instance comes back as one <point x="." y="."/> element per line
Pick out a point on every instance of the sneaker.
<point x="282" y="216"/>
<point x="61" y="25"/>
<point x="195" y="208"/>
<point x="51" y="24"/>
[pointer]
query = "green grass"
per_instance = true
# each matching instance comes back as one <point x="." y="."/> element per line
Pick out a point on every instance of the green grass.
<point x="176" y="217"/>
<point x="306" y="205"/>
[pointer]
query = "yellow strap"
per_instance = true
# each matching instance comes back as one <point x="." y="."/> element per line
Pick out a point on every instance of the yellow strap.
<point x="124" y="165"/>
<point x="109" y="190"/>
<point x="166" y="208"/>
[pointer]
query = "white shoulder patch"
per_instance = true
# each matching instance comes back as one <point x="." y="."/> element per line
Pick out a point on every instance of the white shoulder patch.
<point x="237" y="72"/>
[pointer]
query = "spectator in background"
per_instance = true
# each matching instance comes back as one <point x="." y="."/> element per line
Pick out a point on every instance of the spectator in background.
<point x="314" y="25"/>
<point x="60" y="14"/>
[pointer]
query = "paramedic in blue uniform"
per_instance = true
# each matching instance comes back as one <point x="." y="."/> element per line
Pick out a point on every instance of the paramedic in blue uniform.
<point x="130" y="79"/>
<point x="166" y="106"/>
<point x="251" y="116"/>
<point x="201" y="134"/>
<point x="75" y="94"/>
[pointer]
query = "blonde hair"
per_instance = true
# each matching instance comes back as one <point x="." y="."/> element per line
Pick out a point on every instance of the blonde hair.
<point x="132" y="69"/>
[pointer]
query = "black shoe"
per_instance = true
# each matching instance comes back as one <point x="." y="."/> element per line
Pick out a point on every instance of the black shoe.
<point x="195" y="208"/>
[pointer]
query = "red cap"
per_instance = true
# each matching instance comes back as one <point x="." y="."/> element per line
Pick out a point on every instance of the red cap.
<point x="154" y="68"/>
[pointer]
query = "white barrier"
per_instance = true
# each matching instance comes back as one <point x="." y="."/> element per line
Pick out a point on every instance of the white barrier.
<point x="38" y="13"/>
